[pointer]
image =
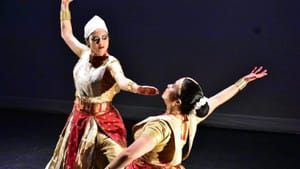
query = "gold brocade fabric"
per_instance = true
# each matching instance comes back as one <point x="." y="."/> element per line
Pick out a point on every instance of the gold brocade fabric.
<point x="166" y="132"/>
<point x="91" y="140"/>
<point x="96" y="84"/>
<point x="95" y="150"/>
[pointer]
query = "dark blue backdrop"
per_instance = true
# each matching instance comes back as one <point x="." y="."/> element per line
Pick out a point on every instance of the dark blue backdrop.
<point x="157" y="41"/>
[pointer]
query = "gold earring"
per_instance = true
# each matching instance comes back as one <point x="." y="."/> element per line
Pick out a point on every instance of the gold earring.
<point x="173" y="104"/>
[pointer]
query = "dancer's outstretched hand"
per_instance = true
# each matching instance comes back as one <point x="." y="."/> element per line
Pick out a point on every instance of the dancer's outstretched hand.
<point x="256" y="73"/>
<point x="147" y="90"/>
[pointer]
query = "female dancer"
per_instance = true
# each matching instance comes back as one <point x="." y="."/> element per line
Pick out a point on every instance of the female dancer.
<point x="94" y="133"/>
<point x="159" y="140"/>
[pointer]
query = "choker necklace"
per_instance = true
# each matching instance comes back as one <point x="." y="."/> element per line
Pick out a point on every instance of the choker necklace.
<point x="96" y="61"/>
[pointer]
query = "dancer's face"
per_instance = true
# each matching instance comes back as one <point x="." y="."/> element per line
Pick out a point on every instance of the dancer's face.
<point x="171" y="92"/>
<point x="99" y="42"/>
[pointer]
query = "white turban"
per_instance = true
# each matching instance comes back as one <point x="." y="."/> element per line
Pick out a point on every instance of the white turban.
<point x="95" y="23"/>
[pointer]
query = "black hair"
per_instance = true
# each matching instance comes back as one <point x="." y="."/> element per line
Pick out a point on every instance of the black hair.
<point x="191" y="93"/>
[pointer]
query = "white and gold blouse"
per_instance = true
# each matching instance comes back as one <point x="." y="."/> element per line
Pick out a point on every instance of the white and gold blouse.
<point x="95" y="84"/>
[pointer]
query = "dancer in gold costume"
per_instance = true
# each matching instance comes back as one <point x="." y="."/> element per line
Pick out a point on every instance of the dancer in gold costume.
<point x="159" y="140"/>
<point x="94" y="133"/>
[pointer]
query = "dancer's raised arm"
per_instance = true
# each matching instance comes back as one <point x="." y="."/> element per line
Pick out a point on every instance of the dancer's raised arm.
<point x="66" y="29"/>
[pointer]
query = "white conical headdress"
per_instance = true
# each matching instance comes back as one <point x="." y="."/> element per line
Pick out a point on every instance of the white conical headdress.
<point x="95" y="23"/>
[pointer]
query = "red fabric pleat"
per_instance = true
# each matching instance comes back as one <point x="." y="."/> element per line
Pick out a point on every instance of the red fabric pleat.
<point x="110" y="122"/>
<point x="77" y="128"/>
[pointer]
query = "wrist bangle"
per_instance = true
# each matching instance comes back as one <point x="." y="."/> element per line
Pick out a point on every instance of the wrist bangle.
<point x="130" y="86"/>
<point x="241" y="84"/>
<point x="65" y="15"/>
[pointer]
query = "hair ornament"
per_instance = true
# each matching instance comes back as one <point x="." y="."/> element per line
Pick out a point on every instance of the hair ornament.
<point x="201" y="102"/>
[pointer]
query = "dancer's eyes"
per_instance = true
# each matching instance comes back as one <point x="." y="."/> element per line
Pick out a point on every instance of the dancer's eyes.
<point x="97" y="39"/>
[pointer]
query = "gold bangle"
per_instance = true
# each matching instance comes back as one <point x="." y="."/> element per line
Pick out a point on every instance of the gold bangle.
<point x="130" y="86"/>
<point x="65" y="15"/>
<point x="241" y="84"/>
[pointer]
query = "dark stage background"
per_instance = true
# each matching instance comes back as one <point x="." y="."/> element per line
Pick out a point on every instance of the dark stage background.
<point x="215" y="42"/>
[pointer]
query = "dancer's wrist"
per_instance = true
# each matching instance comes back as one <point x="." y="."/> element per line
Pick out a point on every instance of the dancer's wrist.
<point x="241" y="84"/>
<point x="65" y="14"/>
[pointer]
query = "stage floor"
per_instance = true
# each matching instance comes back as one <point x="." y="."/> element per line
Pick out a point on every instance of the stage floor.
<point x="28" y="139"/>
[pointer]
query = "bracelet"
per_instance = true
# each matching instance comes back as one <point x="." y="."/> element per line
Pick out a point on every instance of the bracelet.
<point x="130" y="86"/>
<point x="241" y="84"/>
<point x="65" y="15"/>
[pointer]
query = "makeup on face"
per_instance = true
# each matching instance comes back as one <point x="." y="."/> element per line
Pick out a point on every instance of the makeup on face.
<point x="96" y="39"/>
